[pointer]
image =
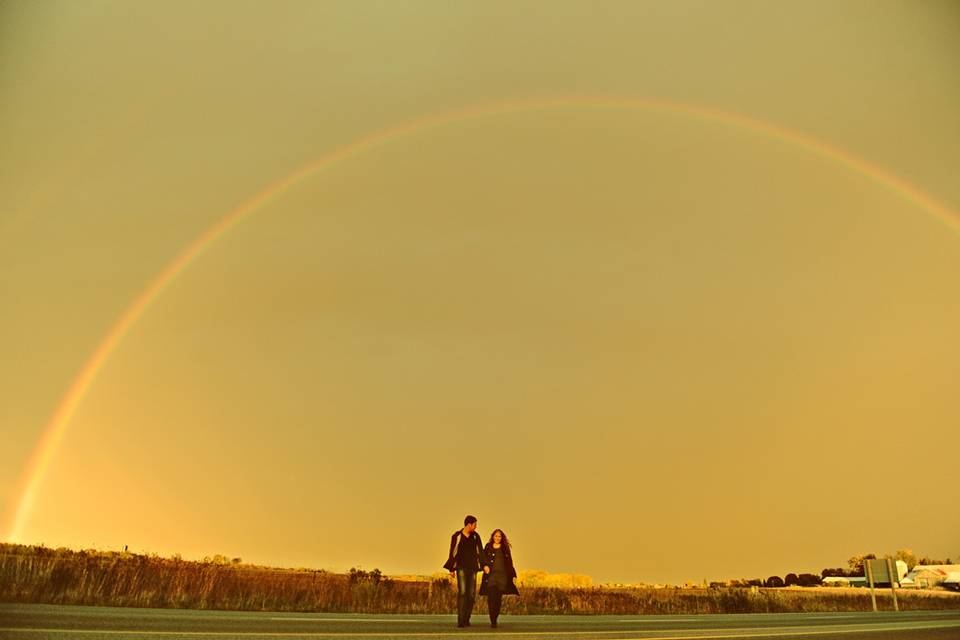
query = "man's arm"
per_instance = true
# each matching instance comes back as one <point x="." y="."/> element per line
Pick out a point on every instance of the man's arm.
<point x="451" y="560"/>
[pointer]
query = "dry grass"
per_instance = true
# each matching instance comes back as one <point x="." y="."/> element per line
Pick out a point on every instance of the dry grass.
<point x="62" y="576"/>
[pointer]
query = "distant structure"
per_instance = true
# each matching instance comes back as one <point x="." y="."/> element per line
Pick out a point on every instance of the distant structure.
<point x="933" y="575"/>
<point x="845" y="581"/>
<point x="902" y="570"/>
<point x="861" y="581"/>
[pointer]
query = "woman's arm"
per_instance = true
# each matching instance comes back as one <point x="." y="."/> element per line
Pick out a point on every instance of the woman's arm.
<point x="481" y="551"/>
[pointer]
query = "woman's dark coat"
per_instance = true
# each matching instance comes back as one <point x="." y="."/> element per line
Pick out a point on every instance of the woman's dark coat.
<point x="488" y="554"/>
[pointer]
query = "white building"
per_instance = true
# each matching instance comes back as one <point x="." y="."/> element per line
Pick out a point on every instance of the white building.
<point x="933" y="575"/>
<point x="861" y="581"/>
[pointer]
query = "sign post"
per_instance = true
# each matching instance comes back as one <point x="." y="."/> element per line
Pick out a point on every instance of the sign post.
<point x="881" y="571"/>
<point x="894" y="578"/>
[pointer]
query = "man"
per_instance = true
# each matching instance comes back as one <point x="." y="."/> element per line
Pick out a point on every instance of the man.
<point x="466" y="555"/>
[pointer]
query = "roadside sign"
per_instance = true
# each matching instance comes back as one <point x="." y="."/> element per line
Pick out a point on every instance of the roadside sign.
<point x="881" y="571"/>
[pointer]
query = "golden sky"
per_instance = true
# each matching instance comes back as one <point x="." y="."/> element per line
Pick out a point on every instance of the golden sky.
<point x="649" y="345"/>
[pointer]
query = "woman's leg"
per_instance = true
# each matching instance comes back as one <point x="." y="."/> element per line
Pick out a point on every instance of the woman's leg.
<point x="496" y="598"/>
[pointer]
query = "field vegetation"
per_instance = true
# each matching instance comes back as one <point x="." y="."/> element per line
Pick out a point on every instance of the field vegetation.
<point x="38" y="574"/>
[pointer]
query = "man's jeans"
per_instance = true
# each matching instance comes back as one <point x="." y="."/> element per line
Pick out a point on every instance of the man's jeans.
<point x="466" y="594"/>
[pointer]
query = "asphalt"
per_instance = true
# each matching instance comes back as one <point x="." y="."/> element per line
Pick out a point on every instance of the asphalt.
<point x="36" y="622"/>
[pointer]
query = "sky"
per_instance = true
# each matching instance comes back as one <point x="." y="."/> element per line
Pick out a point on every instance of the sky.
<point x="650" y="342"/>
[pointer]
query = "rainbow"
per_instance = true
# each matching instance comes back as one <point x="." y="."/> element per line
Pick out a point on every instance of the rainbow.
<point x="53" y="433"/>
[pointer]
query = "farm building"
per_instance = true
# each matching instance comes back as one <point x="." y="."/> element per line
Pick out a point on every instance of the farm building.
<point x="933" y="575"/>
<point x="899" y="566"/>
<point x="861" y="581"/>
<point x="845" y="581"/>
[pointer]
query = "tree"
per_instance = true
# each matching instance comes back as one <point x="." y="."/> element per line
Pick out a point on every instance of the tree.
<point x="808" y="580"/>
<point x="908" y="556"/>
<point x="773" y="581"/>
<point x="791" y="579"/>
<point x="856" y="563"/>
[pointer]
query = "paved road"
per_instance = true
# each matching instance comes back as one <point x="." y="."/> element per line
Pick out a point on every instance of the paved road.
<point x="36" y="622"/>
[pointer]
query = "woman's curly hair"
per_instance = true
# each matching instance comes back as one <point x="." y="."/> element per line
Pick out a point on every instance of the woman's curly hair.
<point x="503" y="538"/>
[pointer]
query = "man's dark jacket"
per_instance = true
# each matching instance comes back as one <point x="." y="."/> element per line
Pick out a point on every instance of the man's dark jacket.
<point x="455" y="541"/>
<point x="488" y="554"/>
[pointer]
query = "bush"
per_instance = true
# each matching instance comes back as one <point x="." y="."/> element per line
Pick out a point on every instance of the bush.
<point x="359" y="575"/>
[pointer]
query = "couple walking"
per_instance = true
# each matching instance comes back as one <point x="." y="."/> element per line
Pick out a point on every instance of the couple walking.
<point x="467" y="557"/>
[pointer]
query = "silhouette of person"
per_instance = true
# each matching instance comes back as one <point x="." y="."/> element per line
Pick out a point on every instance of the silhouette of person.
<point x="498" y="573"/>
<point x="464" y="560"/>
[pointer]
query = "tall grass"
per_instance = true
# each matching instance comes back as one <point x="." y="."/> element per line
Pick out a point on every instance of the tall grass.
<point x="61" y="576"/>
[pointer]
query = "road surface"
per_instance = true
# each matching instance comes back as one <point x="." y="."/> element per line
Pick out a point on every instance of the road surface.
<point x="36" y="622"/>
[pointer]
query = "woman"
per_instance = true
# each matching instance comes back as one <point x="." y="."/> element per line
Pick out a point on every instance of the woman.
<point x="498" y="573"/>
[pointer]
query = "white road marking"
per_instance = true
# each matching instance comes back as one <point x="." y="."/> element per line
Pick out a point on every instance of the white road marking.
<point x="340" y="619"/>
<point x="849" y="616"/>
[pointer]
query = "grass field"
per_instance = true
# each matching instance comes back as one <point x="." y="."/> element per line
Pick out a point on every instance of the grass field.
<point x="66" y="577"/>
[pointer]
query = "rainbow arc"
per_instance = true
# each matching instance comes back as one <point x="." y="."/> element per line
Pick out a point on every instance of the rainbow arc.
<point x="56" y="427"/>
